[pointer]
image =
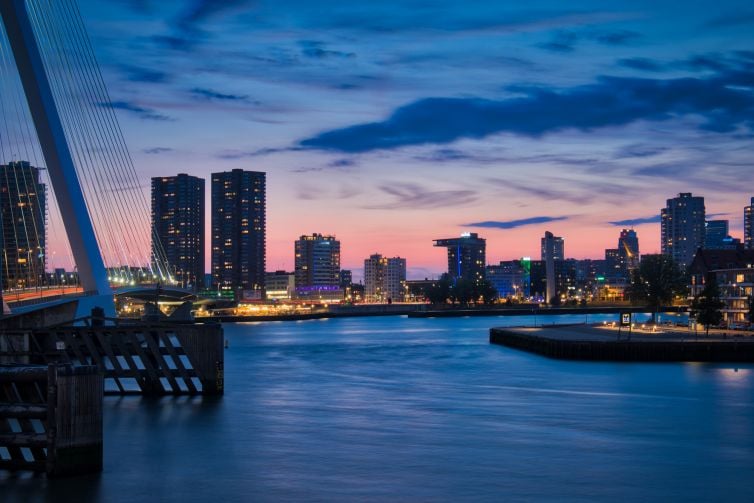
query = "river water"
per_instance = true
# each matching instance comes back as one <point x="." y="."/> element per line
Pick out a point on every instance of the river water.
<point x="398" y="409"/>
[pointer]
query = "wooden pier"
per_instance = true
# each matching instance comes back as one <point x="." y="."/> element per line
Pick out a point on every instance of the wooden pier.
<point x="587" y="342"/>
<point x="51" y="419"/>
<point x="151" y="359"/>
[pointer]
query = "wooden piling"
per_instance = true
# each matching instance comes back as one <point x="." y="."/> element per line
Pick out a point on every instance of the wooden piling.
<point x="75" y="420"/>
<point x="54" y="412"/>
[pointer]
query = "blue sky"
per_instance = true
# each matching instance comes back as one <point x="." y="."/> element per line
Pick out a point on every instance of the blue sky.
<point x="392" y="123"/>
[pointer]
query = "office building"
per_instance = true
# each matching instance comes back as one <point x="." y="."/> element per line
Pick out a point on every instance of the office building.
<point x="716" y="234"/>
<point x="23" y="205"/>
<point x="346" y="278"/>
<point x="589" y="272"/>
<point x="239" y="231"/>
<point x="683" y="228"/>
<point x="538" y="280"/>
<point x="628" y="251"/>
<point x="279" y="285"/>
<point x="749" y="225"/>
<point x="384" y="279"/>
<point x="509" y="278"/>
<point x="178" y="226"/>
<point x="555" y="245"/>
<point x="613" y="268"/>
<point x="553" y="249"/>
<point x="466" y="256"/>
<point x="317" y="268"/>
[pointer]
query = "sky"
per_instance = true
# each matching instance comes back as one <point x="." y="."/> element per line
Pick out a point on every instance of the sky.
<point x="393" y="123"/>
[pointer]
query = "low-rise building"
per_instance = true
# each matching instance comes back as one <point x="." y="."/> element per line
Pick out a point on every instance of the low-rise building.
<point x="280" y="285"/>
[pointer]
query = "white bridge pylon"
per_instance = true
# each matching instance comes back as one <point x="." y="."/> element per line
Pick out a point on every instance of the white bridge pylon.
<point x="60" y="150"/>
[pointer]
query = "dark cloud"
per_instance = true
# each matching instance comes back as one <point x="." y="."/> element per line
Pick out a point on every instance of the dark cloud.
<point x="140" y="6"/>
<point x="561" y="42"/>
<point x="210" y="94"/>
<point x="381" y="18"/>
<point x="736" y="61"/>
<point x="538" y="190"/>
<point x="720" y="100"/>
<point x="316" y="49"/>
<point x="242" y="154"/>
<point x="705" y="62"/>
<point x="643" y="64"/>
<point x="201" y="10"/>
<point x="566" y="41"/>
<point x="665" y="170"/>
<point x="442" y="155"/>
<point x="307" y="169"/>
<point x="342" y="163"/>
<point x="157" y="150"/>
<point x="187" y="28"/>
<point x="413" y="196"/>
<point x="142" y="112"/>
<point x="176" y="42"/>
<point x="140" y="74"/>
<point x="639" y="150"/>
<point x="636" y="221"/>
<point x="332" y="165"/>
<point x="622" y="37"/>
<point x="512" y="224"/>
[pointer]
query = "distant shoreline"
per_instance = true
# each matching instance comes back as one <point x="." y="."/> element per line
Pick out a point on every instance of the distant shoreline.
<point x="424" y="311"/>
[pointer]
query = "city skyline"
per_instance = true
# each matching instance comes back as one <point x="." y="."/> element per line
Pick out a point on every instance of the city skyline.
<point x="298" y="95"/>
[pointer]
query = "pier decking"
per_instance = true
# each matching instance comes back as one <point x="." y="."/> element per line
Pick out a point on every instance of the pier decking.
<point x="593" y="342"/>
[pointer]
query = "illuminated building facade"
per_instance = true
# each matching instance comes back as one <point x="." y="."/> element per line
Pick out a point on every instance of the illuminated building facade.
<point x="683" y="227"/>
<point x="23" y="209"/>
<point x="715" y="234"/>
<point x="749" y="225"/>
<point x="178" y="225"/>
<point x="509" y="278"/>
<point x="613" y="266"/>
<point x="466" y="256"/>
<point x="553" y="246"/>
<point x="239" y="231"/>
<point x="280" y="285"/>
<point x="384" y="279"/>
<point x="628" y="251"/>
<point x="553" y="250"/>
<point x="317" y="262"/>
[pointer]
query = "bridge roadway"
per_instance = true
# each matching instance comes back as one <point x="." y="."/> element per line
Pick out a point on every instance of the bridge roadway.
<point x="35" y="296"/>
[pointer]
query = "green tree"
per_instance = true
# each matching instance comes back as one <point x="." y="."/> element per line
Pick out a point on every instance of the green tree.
<point x="486" y="292"/>
<point x="750" y="314"/>
<point x="464" y="291"/>
<point x="439" y="292"/>
<point x="657" y="281"/>
<point x="637" y="291"/>
<point x="706" y="307"/>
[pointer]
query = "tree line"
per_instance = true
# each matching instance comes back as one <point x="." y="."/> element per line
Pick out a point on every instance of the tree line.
<point x="463" y="291"/>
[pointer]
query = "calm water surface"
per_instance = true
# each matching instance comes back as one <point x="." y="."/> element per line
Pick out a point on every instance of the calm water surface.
<point x="398" y="409"/>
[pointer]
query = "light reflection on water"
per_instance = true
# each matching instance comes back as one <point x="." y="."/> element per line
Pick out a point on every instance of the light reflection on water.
<point x="390" y="408"/>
